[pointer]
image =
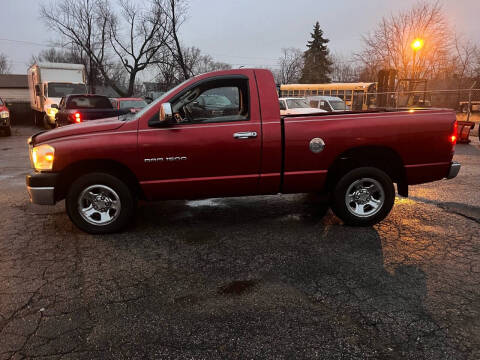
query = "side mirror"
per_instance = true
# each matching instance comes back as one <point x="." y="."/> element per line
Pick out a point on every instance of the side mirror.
<point x="165" y="116"/>
<point x="54" y="106"/>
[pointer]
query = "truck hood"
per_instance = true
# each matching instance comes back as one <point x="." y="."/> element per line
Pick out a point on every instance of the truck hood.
<point x="86" y="127"/>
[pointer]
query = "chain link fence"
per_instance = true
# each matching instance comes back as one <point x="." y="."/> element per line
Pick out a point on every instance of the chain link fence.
<point x="464" y="101"/>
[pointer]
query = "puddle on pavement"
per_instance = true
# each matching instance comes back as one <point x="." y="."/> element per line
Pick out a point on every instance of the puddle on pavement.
<point x="237" y="287"/>
<point x="206" y="202"/>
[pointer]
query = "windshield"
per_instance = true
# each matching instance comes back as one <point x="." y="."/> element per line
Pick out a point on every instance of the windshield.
<point x="156" y="101"/>
<point x="89" y="102"/>
<point x="129" y="104"/>
<point x="338" y="105"/>
<point x="297" y="104"/>
<point x="57" y="90"/>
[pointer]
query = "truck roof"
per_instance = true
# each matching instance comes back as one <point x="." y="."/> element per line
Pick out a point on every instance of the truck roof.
<point x="65" y="66"/>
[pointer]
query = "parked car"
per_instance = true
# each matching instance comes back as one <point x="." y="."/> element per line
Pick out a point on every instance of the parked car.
<point x="328" y="103"/>
<point x="74" y="109"/>
<point x="133" y="104"/>
<point x="5" y="126"/>
<point x="297" y="106"/>
<point x="101" y="168"/>
<point x="48" y="83"/>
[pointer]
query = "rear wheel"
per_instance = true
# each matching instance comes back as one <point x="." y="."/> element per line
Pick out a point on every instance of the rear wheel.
<point x="100" y="203"/>
<point x="363" y="197"/>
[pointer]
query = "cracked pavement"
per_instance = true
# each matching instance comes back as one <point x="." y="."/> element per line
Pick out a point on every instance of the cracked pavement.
<point x="259" y="277"/>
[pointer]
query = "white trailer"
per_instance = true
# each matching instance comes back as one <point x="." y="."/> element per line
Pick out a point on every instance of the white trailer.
<point x="48" y="83"/>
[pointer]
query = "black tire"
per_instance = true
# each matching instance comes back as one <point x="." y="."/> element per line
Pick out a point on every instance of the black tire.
<point x="382" y="184"/>
<point x="94" y="181"/>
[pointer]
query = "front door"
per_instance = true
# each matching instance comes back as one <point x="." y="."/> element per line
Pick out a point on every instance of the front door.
<point x="213" y="149"/>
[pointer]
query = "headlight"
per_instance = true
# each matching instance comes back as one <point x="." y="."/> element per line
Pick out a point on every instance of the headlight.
<point x="4" y="114"/>
<point x="51" y="112"/>
<point x="42" y="157"/>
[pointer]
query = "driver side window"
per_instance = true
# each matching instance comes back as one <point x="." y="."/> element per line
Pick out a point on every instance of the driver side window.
<point x="218" y="101"/>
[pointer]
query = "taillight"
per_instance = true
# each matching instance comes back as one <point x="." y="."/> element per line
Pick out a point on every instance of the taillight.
<point x="453" y="137"/>
<point x="77" y="118"/>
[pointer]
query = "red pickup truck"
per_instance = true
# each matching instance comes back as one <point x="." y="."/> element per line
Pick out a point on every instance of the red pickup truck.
<point x="179" y="148"/>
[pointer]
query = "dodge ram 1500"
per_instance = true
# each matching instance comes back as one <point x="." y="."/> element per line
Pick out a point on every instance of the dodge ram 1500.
<point x="176" y="148"/>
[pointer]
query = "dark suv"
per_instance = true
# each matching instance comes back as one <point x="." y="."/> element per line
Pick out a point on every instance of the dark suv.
<point x="74" y="109"/>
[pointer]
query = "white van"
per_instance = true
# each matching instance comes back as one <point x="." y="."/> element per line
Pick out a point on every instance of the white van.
<point x="48" y="83"/>
<point x="328" y="103"/>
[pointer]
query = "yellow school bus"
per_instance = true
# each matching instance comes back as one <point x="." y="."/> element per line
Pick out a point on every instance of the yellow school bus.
<point x="354" y="94"/>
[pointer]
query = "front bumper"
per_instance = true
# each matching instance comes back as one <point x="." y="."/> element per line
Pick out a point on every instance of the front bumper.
<point x="454" y="170"/>
<point x="41" y="188"/>
<point x="5" y="122"/>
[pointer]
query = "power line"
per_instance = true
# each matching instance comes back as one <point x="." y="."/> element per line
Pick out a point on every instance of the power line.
<point x="29" y="42"/>
<point x="243" y="57"/>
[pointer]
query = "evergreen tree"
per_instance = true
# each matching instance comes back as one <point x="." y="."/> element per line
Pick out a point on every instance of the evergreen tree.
<point x="317" y="64"/>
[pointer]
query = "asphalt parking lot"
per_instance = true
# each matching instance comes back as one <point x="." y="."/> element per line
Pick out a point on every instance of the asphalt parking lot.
<point x="260" y="277"/>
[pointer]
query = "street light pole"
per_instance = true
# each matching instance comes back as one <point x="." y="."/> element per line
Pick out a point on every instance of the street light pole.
<point x="417" y="44"/>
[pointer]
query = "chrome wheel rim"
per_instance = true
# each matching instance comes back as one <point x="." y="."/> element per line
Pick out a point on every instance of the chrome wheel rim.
<point x="365" y="197"/>
<point x="99" y="205"/>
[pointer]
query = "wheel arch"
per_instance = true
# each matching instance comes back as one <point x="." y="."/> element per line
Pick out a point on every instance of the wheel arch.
<point x="115" y="168"/>
<point x="381" y="157"/>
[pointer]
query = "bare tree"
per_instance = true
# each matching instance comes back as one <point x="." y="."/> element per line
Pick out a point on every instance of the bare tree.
<point x="344" y="69"/>
<point x="133" y="35"/>
<point x="198" y="63"/>
<point x="176" y="13"/>
<point x="290" y="66"/>
<point x="57" y="56"/>
<point x="465" y="59"/>
<point x="171" y="73"/>
<point x="4" y="64"/>
<point x="137" y="35"/>
<point x="82" y="24"/>
<point x="389" y="45"/>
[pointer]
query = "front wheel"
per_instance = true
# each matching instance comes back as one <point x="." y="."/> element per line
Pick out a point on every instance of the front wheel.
<point x="100" y="203"/>
<point x="363" y="197"/>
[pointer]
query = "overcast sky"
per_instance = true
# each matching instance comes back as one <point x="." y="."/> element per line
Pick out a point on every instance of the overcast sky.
<point x="246" y="32"/>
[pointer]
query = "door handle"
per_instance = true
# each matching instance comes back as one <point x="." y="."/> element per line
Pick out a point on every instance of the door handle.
<point x="245" y="135"/>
